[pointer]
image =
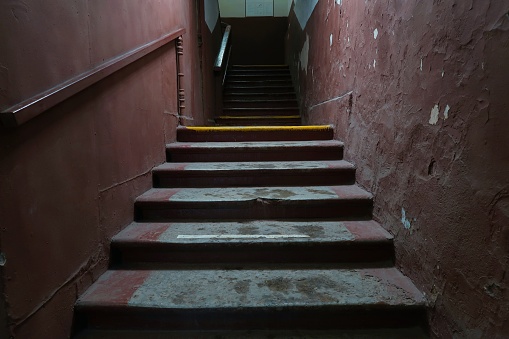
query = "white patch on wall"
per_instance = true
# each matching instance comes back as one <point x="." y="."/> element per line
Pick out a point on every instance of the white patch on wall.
<point x="330" y="40"/>
<point x="443" y="73"/>
<point x="434" y="115"/>
<point x="375" y="33"/>
<point x="304" y="54"/>
<point x="303" y="10"/>
<point x="421" y="65"/>
<point x="211" y="8"/>
<point x="374" y="63"/>
<point x="406" y="223"/>
<point x="339" y="2"/>
<point x="446" y="112"/>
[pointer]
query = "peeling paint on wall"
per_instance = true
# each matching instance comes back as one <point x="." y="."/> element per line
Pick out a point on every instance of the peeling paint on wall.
<point x="446" y="112"/>
<point x="435" y="111"/>
<point x="451" y="175"/>
<point x="375" y="33"/>
<point x="406" y="223"/>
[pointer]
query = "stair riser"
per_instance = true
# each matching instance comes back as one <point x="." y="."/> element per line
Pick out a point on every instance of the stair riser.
<point x="257" y="122"/>
<point x="318" y="153"/>
<point x="318" y="177"/>
<point x="260" y="69"/>
<point x="147" y="211"/>
<point x="282" y="318"/>
<point x="248" y="83"/>
<point x="262" y="135"/>
<point x="260" y="104"/>
<point x="261" y="76"/>
<point x="257" y="89"/>
<point x="376" y="254"/>
<point x="247" y="112"/>
<point x="260" y="96"/>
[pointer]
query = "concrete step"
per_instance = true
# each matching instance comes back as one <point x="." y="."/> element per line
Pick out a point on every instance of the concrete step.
<point x="245" y="88"/>
<point x="254" y="151"/>
<point x="258" y="82"/>
<point x="255" y="133"/>
<point x="275" y="299"/>
<point x="260" y="95"/>
<point x="253" y="242"/>
<point x="248" y="203"/>
<point x="234" y="174"/>
<point x="379" y="333"/>
<point x="259" y="67"/>
<point x="261" y="111"/>
<point x="258" y="76"/>
<point x="259" y="73"/>
<point x="259" y="103"/>
<point x="263" y="120"/>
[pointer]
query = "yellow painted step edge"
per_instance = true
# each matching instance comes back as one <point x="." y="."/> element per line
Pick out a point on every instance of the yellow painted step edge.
<point x="259" y="128"/>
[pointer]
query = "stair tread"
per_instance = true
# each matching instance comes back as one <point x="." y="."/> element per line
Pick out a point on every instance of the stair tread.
<point x="253" y="145"/>
<point x="261" y="289"/>
<point x="380" y="333"/>
<point x="269" y="231"/>
<point x="258" y="100"/>
<point x="259" y="117"/>
<point x="262" y="194"/>
<point x="251" y="166"/>
<point x="260" y="108"/>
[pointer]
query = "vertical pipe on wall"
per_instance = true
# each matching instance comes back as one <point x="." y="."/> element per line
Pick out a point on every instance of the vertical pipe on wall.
<point x="180" y="75"/>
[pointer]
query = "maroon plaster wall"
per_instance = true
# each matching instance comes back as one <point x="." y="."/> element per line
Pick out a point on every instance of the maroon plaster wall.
<point x="258" y="40"/>
<point x="211" y="42"/>
<point x="441" y="181"/>
<point x="68" y="178"/>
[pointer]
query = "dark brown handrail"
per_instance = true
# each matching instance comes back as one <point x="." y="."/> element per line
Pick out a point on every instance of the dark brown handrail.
<point x="30" y="108"/>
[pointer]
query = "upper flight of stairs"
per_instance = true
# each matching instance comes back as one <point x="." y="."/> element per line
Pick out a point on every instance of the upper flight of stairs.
<point x="259" y="95"/>
<point x="253" y="232"/>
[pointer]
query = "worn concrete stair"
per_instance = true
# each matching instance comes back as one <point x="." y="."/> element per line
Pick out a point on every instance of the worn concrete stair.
<point x="259" y="95"/>
<point x="252" y="243"/>
<point x="255" y="151"/>
<point x="255" y="133"/>
<point x="255" y="239"/>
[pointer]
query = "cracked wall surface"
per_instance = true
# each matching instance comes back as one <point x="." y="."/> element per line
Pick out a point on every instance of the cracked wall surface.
<point x="418" y="92"/>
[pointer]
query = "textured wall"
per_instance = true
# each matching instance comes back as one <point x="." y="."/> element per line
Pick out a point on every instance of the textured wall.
<point x="418" y="91"/>
<point x="211" y="36"/>
<point x="69" y="177"/>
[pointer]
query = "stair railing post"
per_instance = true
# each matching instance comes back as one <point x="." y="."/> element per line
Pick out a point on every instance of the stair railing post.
<point x="180" y="75"/>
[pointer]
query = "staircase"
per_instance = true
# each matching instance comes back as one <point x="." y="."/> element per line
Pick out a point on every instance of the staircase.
<point x="259" y="95"/>
<point x="253" y="232"/>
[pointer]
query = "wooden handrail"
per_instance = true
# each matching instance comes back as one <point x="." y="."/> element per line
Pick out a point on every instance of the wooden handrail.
<point x="218" y="65"/>
<point x="30" y="108"/>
